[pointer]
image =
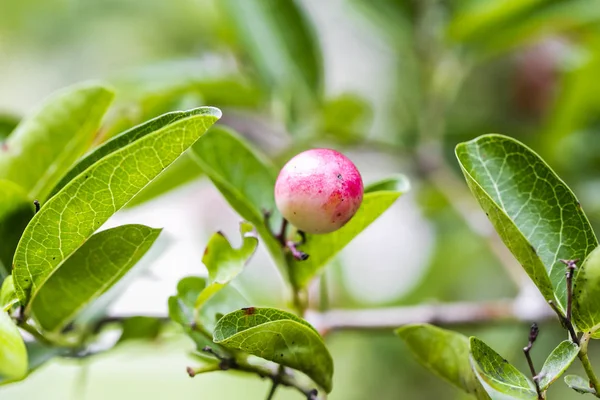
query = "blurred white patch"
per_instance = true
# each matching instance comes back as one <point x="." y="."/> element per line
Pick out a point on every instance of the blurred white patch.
<point x="389" y="257"/>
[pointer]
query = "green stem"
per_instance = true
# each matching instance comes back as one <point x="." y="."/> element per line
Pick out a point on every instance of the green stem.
<point x="585" y="361"/>
<point x="207" y="368"/>
<point x="35" y="333"/>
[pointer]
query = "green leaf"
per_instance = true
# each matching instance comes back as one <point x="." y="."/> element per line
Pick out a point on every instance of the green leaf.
<point x="71" y="216"/>
<point x="557" y="363"/>
<point x="92" y="270"/>
<point x="499" y="378"/>
<point x="8" y="123"/>
<point x="346" y="118"/>
<point x="445" y="353"/>
<point x="128" y="137"/>
<point x="281" y="42"/>
<point x="140" y="328"/>
<point x="184" y="170"/>
<point x="16" y="210"/>
<point x="535" y="213"/>
<point x="181" y="309"/>
<point x="322" y="248"/>
<point x="38" y="354"/>
<point x="579" y="384"/>
<point x="8" y="296"/>
<point x="13" y="355"/>
<point x="224" y="262"/>
<point x="280" y="337"/>
<point x="247" y="182"/>
<point x="45" y="144"/>
<point x="586" y="299"/>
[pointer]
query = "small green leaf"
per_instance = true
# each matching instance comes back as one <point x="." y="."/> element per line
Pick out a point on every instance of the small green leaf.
<point x="445" y="353"/>
<point x="280" y="337"/>
<point x="181" y="309"/>
<point x="557" y="363"/>
<point x="8" y="297"/>
<point x="71" y="216"/>
<point x="586" y="301"/>
<point x="140" y="328"/>
<point x="533" y="210"/>
<point x="224" y="262"/>
<point x="92" y="270"/>
<point x="13" y="355"/>
<point x="128" y="137"/>
<point x="499" y="378"/>
<point x="247" y="182"/>
<point x="45" y="144"/>
<point x="322" y="248"/>
<point x="16" y="210"/>
<point x="579" y="384"/>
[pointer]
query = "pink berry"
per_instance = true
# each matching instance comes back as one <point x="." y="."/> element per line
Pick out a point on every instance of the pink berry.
<point x="319" y="190"/>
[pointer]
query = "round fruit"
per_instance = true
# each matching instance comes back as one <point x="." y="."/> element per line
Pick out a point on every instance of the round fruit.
<point x="319" y="190"/>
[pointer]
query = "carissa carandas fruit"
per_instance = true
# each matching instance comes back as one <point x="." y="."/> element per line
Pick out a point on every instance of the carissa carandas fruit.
<point x="319" y="191"/>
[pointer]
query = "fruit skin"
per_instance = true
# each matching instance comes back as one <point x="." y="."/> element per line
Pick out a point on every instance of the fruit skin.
<point x="319" y="190"/>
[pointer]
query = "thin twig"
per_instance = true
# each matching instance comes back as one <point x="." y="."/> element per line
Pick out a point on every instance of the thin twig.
<point x="587" y="366"/>
<point x="571" y="267"/>
<point x="533" y="334"/>
<point x="565" y="322"/>
<point x="441" y="314"/>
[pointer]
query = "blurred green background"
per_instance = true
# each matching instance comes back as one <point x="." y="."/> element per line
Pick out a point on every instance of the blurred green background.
<point x="395" y="84"/>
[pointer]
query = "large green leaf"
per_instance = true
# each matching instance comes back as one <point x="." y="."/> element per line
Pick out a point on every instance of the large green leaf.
<point x="557" y="363"/>
<point x="245" y="178"/>
<point x="13" y="355"/>
<point x="500" y="379"/>
<point x="8" y="296"/>
<point x="579" y="384"/>
<point x="586" y="299"/>
<point x="181" y="309"/>
<point x="93" y="269"/>
<point x="533" y="210"/>
<point x="128" y="137"/>
<point x="280" y="41"/>
<point x="15" y="212"/>
<point x="322" y="248"/>
<point x="224" y="262"/>
<point x="280" y="337"/>
<point x="71" y="216"/>
<point x="45" y="144"/>
<point x="445" y="353"/>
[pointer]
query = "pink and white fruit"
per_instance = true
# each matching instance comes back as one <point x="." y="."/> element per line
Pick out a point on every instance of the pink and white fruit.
<point x="319" y="190"/>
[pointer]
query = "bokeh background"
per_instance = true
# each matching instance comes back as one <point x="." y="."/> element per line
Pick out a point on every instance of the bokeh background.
<point x="395" y="84"/>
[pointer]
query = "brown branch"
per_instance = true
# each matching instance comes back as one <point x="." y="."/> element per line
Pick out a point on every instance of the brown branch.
<point x="439" y="314"/>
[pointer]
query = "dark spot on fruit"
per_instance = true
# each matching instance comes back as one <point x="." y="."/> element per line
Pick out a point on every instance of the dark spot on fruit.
<point x="249" y="310"/>
<point x="339" y="176"/>
<point x="339" y="214"/>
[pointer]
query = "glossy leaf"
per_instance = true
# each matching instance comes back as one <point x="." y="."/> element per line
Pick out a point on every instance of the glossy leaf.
<point x="445" y="353"/>
<point x="224" y="262"/>
<point x="586" y="301"/>
<point x="557" y="363"/>
<point x="247" y="184"/>
<point x="16" y="210"/>
<point x="579" y="384"/>
<point x="280" y="337"/>
<point x="71" y="216"/>
<point x="280" y="41"/>
<point x="499" y="378"/>
<point x="45" y="144"/>
<point x="140" y="328"/>
<point x="91" y="271"/>
<point x="13" y="355"/>
<point x="535" y="213"/>
<point x="322" y="248"/>
<point x="128" y="137"/>
<point x="181" y="309"/>
<point x="8" y="297"/>
<point x="183" y="171"/>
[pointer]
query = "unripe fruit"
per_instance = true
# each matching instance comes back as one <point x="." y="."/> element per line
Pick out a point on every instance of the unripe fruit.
<point x="319" y="190"/>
